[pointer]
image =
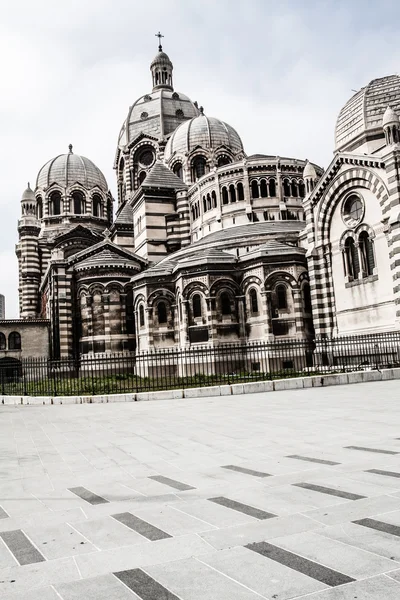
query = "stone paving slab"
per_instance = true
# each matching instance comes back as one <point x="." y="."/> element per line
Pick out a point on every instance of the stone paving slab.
<point x="305" y="507"/>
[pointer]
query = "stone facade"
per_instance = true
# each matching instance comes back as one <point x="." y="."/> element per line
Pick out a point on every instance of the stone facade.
<point x="209" y="245"/>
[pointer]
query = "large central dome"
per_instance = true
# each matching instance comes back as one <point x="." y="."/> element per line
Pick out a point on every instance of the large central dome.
<point x="360" y="120"/>
<point x="157" y="114"/>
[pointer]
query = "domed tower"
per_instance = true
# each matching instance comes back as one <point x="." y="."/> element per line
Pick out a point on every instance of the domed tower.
<point x="27" y="251"/>
<point x="201" y="144"/>
<point x="151" y="120"/>
<point x="310" y="177"/>
<point x="72" y="189"/>
<point x="391" y="126"/>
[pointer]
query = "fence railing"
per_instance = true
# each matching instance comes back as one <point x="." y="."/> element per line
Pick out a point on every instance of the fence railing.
<point x="196" y="366"/>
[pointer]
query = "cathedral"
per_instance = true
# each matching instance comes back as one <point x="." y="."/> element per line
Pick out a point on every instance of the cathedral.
<point x="207" y="245"/>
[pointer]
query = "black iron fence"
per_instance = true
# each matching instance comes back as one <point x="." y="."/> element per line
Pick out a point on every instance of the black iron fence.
<point x="197" y="366"/>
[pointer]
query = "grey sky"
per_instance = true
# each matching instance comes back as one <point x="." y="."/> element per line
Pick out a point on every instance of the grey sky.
<point x="278" y="71"/>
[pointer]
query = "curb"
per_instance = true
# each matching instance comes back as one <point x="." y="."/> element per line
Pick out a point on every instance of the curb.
<point x="277" y="385"/>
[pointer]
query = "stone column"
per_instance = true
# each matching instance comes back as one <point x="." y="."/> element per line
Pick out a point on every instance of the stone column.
<point x="241" y="316"/>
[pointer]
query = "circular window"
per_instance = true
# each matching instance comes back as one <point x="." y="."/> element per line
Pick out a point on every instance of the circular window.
<point x="146" y="158"/>
<point x="352" y="210"/>
<point x="144" y="115"/>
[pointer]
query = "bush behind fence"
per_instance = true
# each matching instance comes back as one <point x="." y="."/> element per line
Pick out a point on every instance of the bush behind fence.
<point x="196" y="366"/>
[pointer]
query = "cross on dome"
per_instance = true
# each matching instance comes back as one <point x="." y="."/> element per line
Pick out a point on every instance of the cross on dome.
<point x="160" y="36"/>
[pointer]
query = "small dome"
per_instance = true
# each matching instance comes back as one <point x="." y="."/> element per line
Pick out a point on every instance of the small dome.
<point x="67" y="169"/>
<point x="161" y="57"/>
<point x="208" y="132"/>
<point x="390" y="117"/>
<point x="362" y="115"/>
<point x="28" y="195"/>
<point x="309" y="171"/>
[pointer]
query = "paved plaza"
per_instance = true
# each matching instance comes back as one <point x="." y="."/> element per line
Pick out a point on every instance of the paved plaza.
<point x="278" y="495"/>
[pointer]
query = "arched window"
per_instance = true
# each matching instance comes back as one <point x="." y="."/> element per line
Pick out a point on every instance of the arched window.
<point x="199" y="167"/>
<point x="178" y="170"/>
<point x="226" y="308"/>
<point x="204" y="204"/>
<point x="2" y="341"/>
<point x="294" y="188"/>
<point x="225" y="198"/>
<point x="302" y="189"/>
<point x="232" y="193"/>
<point x="142" y="177"/>
<point x="272" y="188"/>
<point x="196" y="301"/>
<point x="214" y="199"/>
<point x="130" y="313"/>
<point x="254" y="189"/>
<point x="39" y="207"/>
<point x="307" y="297"/>
<point x="141" y="316"/>
<point x="253" y="301"/>
<point x="55" y="203"/>
<point x="352" y="265"/>
<point x="286" y="188"/>
<point x="78" y="203"/>
<point x="14" y="341"/>
<point x="162" y="312"/>
<point x="281" y="296"/>
<point x="367" y="254"/>
<point x="240" y="191"/>
<point x="263" y="188"/>
<point x="109" y="211"/>
<point x="97" y="206"/>
<point x="209" y="205"/>
<point x="223" y="160"/>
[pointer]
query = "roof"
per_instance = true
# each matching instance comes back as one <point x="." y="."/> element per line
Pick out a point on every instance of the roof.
<point x="251" y="231"/>
<point x="273" y="248"/>
<point x="206" y="132"/>
<point x="364" y="111"/>
<point x="28" y="194"/>
<point x="67" y="169"/>
<point x="125" y="215"/>
<point x="162" y="177"/>
<point x="106" y="258"/>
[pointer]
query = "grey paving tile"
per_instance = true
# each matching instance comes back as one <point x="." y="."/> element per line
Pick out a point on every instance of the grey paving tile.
<point x="246" y="471"/>
<point x="241" y="535"/>
<point x="314" y="460"/>
<point x="107" y="533"/>
<point x="364" y="538"/>
<point x="88" y="495"/>
<point x="379" y="526"/>
<point x="142" y="527"/>
<point x="173" y="521"/>
<point x="300" y="564"/>
<point x="3" y="514"/>
<point x="267" y="577"/>
<point x="143" y="585"/>
<point x="178" y="485"/>
<point x="350" y="511"/>
<point x="18" y="579"/>
<point x="104" y="587"/>
<point x="329" y="491"/>
<point x="21" y="547"/>
<point x="7" y="559"/>
<point x="58" y="541"/>
<point x="141" y="555"/>
<point x="385" y="473"/>
<point x="42" y="593"/>
<point x="257" y="513"/>
<point x="374" y="588"/>
<point x="190" y="579"/>
<point x="378" y="450"/>
<point x="350" y="560"/>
